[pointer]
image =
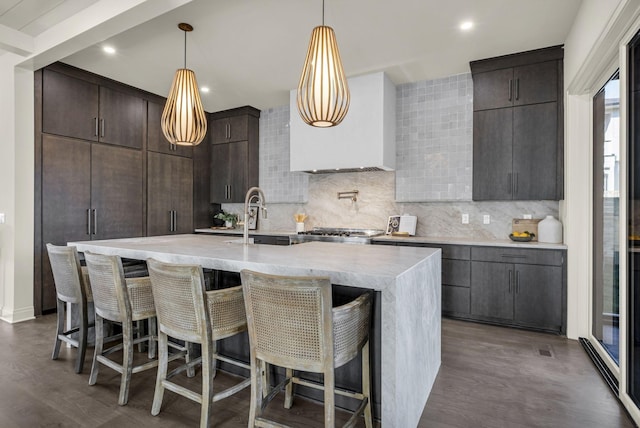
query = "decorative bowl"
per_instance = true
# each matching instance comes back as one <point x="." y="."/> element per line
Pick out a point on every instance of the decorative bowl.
<point x="521" y="238"/>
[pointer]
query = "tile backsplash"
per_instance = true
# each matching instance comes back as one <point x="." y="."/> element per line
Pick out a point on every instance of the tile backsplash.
<point x="376" y="203"/>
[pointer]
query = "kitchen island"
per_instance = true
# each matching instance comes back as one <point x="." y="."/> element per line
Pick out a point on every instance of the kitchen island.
<point x="406" y="278"/>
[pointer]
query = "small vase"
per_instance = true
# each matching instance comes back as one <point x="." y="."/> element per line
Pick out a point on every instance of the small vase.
<point x="299" y="227"/>
<point x="228" y="224"/>
<point x="550" y="230"/>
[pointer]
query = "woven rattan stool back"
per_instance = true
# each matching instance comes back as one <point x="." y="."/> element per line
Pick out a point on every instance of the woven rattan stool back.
<point x="67" y="273"/>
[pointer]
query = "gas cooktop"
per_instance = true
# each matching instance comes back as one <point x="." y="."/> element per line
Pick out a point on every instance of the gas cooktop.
<point x="337" y="234"/>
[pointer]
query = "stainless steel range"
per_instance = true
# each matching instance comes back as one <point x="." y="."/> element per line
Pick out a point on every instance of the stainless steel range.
<point x="337" y="234"/>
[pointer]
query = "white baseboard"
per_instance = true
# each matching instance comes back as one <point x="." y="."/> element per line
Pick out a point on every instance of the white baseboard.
<point x="23" y="314"/>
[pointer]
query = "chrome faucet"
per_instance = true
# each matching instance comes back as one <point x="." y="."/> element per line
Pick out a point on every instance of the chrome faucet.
<point x="254" y="195"/>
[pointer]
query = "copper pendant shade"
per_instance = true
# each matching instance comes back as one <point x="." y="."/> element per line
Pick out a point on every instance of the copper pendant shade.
<point x="183" y="119"/>
<point x="323" y="93"/>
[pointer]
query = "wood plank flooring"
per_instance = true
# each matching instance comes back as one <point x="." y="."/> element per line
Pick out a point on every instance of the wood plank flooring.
<point x="490" y="377"/>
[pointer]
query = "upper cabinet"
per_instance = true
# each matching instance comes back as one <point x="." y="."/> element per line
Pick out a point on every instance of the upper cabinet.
<point x="81" y="109"/>
<point x="517" y="126"/>
<point x="156" y="142"/>
<point x="230" y="129"/>
<point x="234" y="154"/>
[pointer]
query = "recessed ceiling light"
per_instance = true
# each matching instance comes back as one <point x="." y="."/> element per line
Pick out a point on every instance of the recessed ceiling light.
<point x="466" y="25"/>
<point x="109" y="49"/>
<point x="204" y="89"/>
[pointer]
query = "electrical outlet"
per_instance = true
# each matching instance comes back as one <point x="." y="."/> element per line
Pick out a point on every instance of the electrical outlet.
<point x="526" y="216"/>
<point x="465" y="218"/>
<point x="486" y="219"/>
<point x="2" y="219"/>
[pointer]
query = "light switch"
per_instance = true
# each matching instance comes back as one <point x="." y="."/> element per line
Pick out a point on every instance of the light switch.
<point x="465" y="218"/>
<point x="486" y="219"/>
<point x="2" y="218"/>
<point x="526" y="216"/>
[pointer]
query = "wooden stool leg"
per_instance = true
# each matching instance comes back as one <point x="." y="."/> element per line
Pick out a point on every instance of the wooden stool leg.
<point x="82" y="337"/>
<point x="288" y="392"/>
<point x="208" y="368"/>
<point x="366" y="384"/>
<point x="153" y="336"/>
<point x="265" y="375"/>
<point x="163" y="360"/>
<point x="99" y="329"/>
<point x="127" y="363"/>
<point x="191" y="371"/>
<point x="257" y="390"/>
<point x="59" y="329"/>
<point x="329" y="399"/>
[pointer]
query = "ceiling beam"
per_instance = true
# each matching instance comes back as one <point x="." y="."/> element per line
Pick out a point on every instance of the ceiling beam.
<point x="16" y="41"/>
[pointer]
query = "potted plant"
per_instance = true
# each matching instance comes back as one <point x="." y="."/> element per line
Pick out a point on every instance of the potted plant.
<point x="229" y="219"/>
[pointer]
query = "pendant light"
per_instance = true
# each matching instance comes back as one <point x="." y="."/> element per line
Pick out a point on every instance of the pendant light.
<point x="183" y="120"/>
<point x="323" y="93"/>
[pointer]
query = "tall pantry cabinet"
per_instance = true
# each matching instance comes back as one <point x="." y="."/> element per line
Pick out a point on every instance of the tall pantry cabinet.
<point x="103" y="168"/>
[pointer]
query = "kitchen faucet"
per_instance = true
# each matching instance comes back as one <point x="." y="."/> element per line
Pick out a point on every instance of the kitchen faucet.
<point x="254" y="194"/>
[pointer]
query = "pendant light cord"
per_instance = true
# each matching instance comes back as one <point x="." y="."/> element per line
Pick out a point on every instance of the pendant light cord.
<point x="185" y="49"/>
<point x="323" y="13"/>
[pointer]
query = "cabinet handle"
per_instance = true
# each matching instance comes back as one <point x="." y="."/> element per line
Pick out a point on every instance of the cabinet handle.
<point x="510" y="89"/>
<point x="510" y="280"/>
<point x="517" y="282"/>
<point x="517" y="89"/>
<point x="170" y="221"/>
<point x="95" y="221"/>
<point x="175" y="220"/>
<point x="513" y="256"/>
<point x="102" y="127"/>
<point x="95" y="122"/>
<point x="227" y="129"/>
<point x="515" y="191"/>
<point x="510" y="182"/>
<point x="89" y="221"/>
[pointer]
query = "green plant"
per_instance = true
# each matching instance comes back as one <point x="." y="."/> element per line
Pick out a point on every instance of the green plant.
<point x="227" y="217"/>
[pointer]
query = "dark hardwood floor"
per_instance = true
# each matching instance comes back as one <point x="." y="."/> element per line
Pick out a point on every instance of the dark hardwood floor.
<point x="490" y="377"/>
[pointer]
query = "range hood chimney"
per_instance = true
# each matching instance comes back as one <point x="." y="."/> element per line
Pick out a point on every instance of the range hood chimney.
<point x="364" y="141"/>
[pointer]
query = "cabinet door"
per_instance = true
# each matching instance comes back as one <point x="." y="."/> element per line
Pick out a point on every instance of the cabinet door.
<point x="455" y="300"/>
<point x="230" y="129"/>
<point x="159" y="190"/>
<point x="492" y="287"/>
<point x="183" y="194"/>
<point x="121" y="118"/>
<point x="536" y="83"/>
<point x="220" y="173"/>
<point x="492" y="154"/>
<point x="535" y="157"/>
<point x="493" y="89"/>
<point x="238" y="170"/>
<point x="66" y="197"/>
<point x="69" y="106"/>
<point x="156" y="140"/>
<point x="116" y="191"/>
<point x="538" y="298"/>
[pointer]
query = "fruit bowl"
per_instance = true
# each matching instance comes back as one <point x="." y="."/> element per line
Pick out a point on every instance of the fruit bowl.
<point x="526" y="238"/>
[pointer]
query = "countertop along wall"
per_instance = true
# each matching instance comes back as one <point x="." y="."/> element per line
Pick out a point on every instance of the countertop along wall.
<point x="434" y="127"/>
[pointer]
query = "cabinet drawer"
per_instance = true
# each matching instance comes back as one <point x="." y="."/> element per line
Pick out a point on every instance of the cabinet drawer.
<point x="455" y="300"/>
<point x="518" y="255"/>
<point x="458" y="252"/>
<point x="456" y="272"/>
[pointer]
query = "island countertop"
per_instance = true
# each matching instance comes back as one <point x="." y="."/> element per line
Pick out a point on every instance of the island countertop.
<point x="366" y="266"/>
<point x="406" y="280"/>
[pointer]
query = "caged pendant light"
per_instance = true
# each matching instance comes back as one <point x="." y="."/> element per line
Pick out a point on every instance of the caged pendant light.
<point x="183" y="120"/>
<point x="323" y="93"/>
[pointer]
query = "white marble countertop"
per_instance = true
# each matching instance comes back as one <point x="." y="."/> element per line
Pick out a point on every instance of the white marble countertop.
<point x="471" y="241"/>
<point x="366" y="266"/>
<point x="414" y="239"/>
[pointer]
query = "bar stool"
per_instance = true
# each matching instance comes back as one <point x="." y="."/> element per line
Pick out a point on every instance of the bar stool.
<point x="124" y="301"/>
<point x="72" y="286"/>
<point x="292" y="324"/>
<point x="187" y="312"/>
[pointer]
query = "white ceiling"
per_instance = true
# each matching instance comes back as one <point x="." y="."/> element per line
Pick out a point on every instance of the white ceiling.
<point x="251" y="51"/>
<point x="32" y="17"/>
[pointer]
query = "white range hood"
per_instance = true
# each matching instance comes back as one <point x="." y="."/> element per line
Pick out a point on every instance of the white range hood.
<point x="364" y="141"/>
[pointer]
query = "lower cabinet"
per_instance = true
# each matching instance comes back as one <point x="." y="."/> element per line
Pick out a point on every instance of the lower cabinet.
<point x="518" y="287"/>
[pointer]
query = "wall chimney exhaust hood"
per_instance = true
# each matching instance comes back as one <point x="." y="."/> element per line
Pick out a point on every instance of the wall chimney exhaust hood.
<point x="364" y="141"/>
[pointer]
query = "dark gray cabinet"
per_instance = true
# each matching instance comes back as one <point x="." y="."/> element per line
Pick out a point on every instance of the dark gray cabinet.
<point x="520" y="287"/>
<point x="77" y="108"/>
<point x="169" y="194"/>
<point x="517" y="126"/>
<point x="234" y="160"/>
